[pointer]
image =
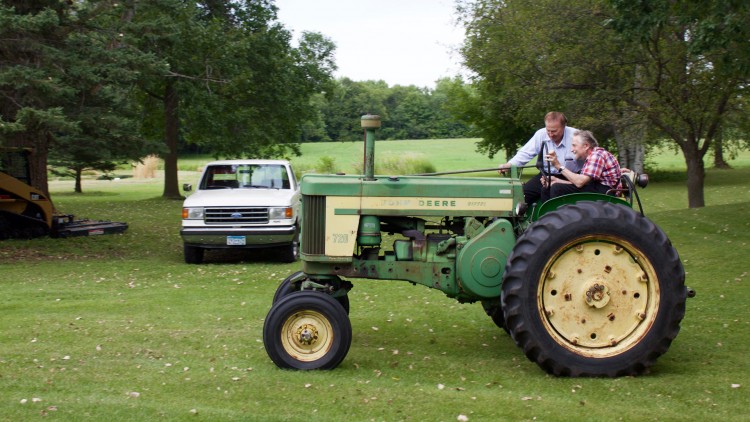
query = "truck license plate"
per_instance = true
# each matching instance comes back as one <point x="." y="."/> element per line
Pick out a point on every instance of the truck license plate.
<point x="236" y="240"/>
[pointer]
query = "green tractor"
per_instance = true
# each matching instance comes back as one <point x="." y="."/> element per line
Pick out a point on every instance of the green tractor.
<point x="584" y="284"/>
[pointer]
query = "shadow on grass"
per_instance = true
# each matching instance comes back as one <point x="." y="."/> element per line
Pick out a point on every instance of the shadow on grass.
<point x="242" y="256"/>
<point x="85" y="194"/>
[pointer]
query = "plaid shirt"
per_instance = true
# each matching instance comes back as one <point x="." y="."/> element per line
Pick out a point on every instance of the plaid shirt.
<point x="602" y="167"/>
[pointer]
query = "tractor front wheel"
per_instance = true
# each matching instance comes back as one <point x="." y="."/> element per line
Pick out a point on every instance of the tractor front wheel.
<point x="289" y="286"/>
<point x="594" y="289"/>
<point x="307" y="330"/>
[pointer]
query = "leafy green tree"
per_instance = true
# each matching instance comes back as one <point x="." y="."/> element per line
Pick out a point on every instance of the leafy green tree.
<point x="658" y="67"/>
<point x="531" y="58"/>
<point x="445" y="123"/>
<point x="314" y="129"/>
<point x="65" y="83"/>
<point x="346" y="104"/>
<point x="410" y="113"/>
<point x="695" y="65"/>
<point x="231" y="82"/>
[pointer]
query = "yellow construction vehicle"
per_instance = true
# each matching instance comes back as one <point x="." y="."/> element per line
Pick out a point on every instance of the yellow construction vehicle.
<point x="27" y="212"/>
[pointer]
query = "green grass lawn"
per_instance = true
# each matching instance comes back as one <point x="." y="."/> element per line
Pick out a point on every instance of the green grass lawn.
<point x="118" y="328"/>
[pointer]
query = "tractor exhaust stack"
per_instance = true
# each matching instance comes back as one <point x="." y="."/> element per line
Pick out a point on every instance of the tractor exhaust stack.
<point x="370" y="122"/>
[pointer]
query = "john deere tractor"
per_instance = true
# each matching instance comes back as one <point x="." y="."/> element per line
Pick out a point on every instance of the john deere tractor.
<point x="584" y="284"/>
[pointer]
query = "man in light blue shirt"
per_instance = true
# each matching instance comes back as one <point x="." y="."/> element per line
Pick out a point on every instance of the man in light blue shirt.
<point x="556" y="136"/>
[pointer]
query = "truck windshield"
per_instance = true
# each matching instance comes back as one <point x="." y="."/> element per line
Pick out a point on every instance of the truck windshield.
<point x="246" y="176"/>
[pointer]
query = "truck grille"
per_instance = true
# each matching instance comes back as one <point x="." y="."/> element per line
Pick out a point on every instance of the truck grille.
<point x="236" y="216"/>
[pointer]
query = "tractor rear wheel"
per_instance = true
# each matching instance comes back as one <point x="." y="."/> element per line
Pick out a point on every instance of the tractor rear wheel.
<point x="496" y="313"/>
<point x="594" y="289"/>
<point x="307" y="330"/>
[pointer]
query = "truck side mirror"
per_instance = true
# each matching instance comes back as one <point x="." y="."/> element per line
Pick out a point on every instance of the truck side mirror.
<point x="187" y="187"/>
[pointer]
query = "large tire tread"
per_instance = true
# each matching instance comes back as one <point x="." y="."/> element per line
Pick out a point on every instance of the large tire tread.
<point x="529" y="257"/>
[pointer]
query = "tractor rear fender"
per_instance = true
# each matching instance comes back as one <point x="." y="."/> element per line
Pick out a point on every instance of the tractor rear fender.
<point x="574" y="198"/>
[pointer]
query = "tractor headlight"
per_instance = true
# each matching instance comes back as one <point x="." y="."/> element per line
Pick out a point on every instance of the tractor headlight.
<point x="192" y="213"/>
<point x="280" y="213"/>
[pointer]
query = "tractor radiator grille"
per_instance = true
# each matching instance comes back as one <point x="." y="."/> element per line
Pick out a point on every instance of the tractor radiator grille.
<point x="236" y="216"/>
<point x="313" y="224"/>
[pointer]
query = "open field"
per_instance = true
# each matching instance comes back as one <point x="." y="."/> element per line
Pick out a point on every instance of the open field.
<point x="118" y="328"/>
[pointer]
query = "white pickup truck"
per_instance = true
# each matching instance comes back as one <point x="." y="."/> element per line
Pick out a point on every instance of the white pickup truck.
<point x="242" y="204"/>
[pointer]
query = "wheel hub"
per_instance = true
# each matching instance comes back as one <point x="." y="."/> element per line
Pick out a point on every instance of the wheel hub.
<point x="307" y="334"/>
<point x="597" y="297"/>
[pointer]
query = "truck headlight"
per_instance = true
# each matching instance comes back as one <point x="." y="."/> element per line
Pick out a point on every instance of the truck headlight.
<point x="192" y="213"/>
<point x="280" y="213"/>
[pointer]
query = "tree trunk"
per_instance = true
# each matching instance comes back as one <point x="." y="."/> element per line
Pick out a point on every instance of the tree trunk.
<point x="77" y="188"/>
<point x="630" y="131"/>
<point x="696" y="174"/>
<point x="631" y="153"/>
<point x="172" y="131"/>
<point x="719" y="161"/>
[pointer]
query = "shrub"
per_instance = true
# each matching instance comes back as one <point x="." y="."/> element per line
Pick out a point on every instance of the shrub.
<point x="401" y="165"/>
<point x="326" y="165"/>
<point x="146" y="169"/>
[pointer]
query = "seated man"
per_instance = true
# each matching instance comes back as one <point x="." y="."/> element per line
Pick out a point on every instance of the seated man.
<point x="600" y="172"/>
<point x="557" y="136"/>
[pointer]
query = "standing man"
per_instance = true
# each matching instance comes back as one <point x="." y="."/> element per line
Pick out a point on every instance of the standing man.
<point x="600" y="173"/>
<point x="557" y="136"/>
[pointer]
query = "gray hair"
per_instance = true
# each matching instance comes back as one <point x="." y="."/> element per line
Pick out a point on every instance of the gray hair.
<point x="588" y="137"/>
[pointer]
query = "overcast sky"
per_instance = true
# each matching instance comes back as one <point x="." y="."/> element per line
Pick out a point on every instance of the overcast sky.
<point x="403" y="42"/>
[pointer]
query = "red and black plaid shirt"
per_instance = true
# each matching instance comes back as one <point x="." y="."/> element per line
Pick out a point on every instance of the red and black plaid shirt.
<point x="602" y="167"/>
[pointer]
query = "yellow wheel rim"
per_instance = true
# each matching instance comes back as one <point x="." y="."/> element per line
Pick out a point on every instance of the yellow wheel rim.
<point x="307" y="335"/>
<point x="598" y="296"/>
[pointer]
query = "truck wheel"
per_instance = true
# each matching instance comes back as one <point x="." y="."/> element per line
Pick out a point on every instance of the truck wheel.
<point x="594" y="289"/>
<point x="290" y="253"/>
<point x="193" y="254"/>
<point x="287" y="287"/>
<point x="307" y="330"/>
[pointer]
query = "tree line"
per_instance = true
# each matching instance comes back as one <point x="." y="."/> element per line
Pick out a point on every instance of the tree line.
<point x="407" y="112"/>
<point x="91" y="83"/>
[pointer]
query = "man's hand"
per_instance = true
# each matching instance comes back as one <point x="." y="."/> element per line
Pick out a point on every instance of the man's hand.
<point x="503" y="169"/>
<point x="553" y="180"/>
<point x="551" y="157"/>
